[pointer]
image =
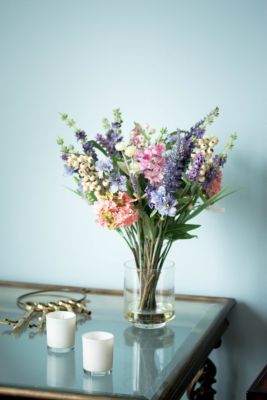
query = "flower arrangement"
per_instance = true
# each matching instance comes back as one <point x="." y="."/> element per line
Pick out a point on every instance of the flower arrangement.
<point x="149" y="187"/>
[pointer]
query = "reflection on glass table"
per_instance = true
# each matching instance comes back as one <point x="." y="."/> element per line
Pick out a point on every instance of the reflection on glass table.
<point x="148" y="364"/>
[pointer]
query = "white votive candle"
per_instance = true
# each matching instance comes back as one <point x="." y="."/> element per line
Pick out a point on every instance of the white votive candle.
<point x="98" y="352"/>
<point x="60" y="330"/>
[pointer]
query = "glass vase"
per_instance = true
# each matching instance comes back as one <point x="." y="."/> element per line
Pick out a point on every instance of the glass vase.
<point x="149" y="298"/>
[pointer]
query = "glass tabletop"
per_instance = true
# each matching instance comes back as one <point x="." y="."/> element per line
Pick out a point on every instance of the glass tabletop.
<point x="143" y="359"/>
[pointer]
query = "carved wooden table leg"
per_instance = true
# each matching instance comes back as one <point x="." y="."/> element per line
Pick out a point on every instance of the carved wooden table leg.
<point x="201" y="386"/>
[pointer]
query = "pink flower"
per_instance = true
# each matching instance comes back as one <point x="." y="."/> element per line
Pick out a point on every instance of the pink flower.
<point x="215" y="186"/>
<point x="137" y="139"/>
<point x="152" y="162"/>
<point x="115" y="211"/>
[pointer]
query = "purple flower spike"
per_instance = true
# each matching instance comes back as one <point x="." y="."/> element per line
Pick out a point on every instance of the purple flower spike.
<point x="193" y="173"/>
<point x="198" y="132"/>
<point x="177" y="161"/>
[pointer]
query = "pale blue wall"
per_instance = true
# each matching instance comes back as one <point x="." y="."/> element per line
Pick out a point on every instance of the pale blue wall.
<point x="163" y="62"/>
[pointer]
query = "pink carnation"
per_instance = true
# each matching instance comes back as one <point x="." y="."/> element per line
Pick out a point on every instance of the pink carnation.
<point x="215" y="186"/>
<point x="152" y="162"/>
<point x="116" y="211"/>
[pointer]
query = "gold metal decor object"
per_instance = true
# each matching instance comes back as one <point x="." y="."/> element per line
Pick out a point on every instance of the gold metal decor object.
<point x="37" y="308"/>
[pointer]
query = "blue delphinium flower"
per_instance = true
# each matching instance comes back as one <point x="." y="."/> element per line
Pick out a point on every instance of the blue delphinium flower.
<point x="109" y="141"/>
<point x="162" y="201"/>
<point x="116" y="125"/>
<point x="68" y="170"/>
<point x="117" y="183"/>
<point x="172" y="170"/>
<point x="113" y="134"/>
<point x="177" y="160"/>
<point x="104" y="165"/>
<point x="89" y="149"/>
<point x="80" y="135"/>
<point x="219" y="159"/>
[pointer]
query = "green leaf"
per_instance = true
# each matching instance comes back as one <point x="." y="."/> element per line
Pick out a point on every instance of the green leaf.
<point x="208" y="202"/>
<point x="60" y="141"/>
<point x="64" y="116"/>
<point x="71" y="123"/>
<point x="129" y="188"/>
<point x="181" y="227"/>
<point x="182" y="217"/>
<point x="148" y="227"/>
<point x="90" y="196"/>
<point x="179" y="236"/>
<point x="100" y="148"/>
<point x="122" y="165"/>
<point x="73" y="191"/>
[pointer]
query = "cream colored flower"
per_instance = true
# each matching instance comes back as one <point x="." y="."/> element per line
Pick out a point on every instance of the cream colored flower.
<point x="134" y="168"/>
<point x="130" y="151"/>
<point x="121" y="146"/>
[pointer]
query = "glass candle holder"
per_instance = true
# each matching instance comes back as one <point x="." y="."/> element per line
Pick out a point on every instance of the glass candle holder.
<point x="60" y="330"/>
<point x="98" y="352"/>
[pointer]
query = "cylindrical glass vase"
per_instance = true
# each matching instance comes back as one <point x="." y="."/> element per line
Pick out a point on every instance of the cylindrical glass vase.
<point x="149" y="296"/>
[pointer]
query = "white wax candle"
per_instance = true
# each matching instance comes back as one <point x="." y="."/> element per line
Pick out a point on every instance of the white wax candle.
<point x="98" y="352"/>
<point x="60" y="329"/>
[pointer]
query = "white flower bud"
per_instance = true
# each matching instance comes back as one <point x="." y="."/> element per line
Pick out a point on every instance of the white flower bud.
<point x="75" y="164"/>
<point x="152" y="131"/>
<point x="92" y="186"/>
<point x="214" y="140"/>
<point x="130" y="151"/>
<point x="134" y="168"/>
<point x="121" y="146"/>
<point x="86" y="187"/>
